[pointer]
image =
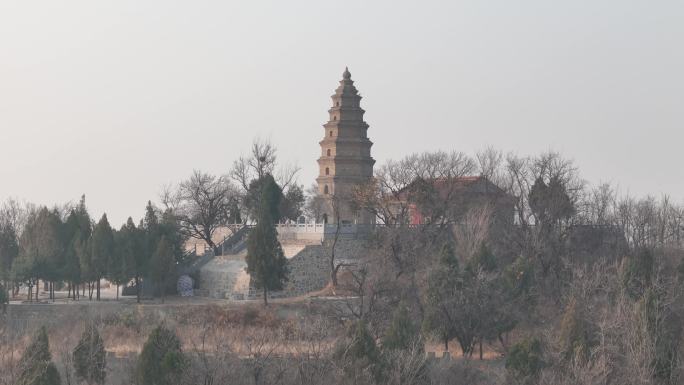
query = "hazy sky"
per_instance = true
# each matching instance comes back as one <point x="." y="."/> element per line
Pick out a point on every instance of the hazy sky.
<point x="116" y="98"/>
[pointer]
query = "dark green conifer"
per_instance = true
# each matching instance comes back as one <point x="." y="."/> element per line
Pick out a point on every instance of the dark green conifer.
<point x="161" y="361"/>
<point x="90" y="357"/>
<point x="163" y="266"/>
<point x="102" y="250"/>
<point x="36" y="366"/>
<point x="402" y="332"/>
<point x="266" y="262"/>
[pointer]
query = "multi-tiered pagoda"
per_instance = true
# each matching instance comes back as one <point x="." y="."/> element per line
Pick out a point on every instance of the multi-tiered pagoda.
<point x="345" y="160"/>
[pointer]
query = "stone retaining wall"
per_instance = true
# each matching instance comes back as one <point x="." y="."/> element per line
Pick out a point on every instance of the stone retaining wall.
<point x="309" y="270"/>
<point x="308" y="264"/>
<point x="225" y="277"/>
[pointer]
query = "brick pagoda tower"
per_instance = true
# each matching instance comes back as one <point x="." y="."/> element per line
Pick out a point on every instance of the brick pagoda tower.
<point x="345" y="154"/>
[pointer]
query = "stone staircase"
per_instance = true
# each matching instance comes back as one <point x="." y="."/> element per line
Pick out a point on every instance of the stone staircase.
<point x="235" y="243"/>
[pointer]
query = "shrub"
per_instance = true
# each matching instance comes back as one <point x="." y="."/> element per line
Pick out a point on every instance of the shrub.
<point x="36" y="366"/>
<point x="665" y="330"/>
<point x="525" y="360"/>
<point x="402" y="333"/>
<point x="161" y="361"/>
<point x="637" y="272"/>
<point x="360" y="356"/>
<point x="89" y="357"/>
<point x="576" y="334"/>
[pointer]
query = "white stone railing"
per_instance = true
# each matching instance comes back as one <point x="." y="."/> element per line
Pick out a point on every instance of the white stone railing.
<point x="300" y="228"/>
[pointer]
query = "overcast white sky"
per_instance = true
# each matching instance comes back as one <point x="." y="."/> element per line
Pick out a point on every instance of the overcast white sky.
<point x="116" y="98"/>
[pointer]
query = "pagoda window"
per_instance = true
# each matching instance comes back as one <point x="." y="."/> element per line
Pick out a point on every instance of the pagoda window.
<point x="329" y="152"/>
<point x="327" y="171"/>
<point x="325" y="190"/>
<point x="331" y="134"/>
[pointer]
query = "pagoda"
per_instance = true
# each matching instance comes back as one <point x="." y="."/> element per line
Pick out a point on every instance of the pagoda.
<point x="345" y="160"/>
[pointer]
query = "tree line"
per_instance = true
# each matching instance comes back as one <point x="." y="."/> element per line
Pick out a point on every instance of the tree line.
<point x="68" y="247"/>
<point x="65" y="245"/>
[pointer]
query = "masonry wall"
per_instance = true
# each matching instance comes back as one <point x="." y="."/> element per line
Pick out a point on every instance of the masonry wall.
<point x="309" y="270"/>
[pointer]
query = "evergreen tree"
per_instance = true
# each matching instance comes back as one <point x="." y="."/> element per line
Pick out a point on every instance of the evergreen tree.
<point x="52" y="271"/>
<point x="441" y="309"/>
<point x="402" y="333"/>
<point x="148" y="240"/>
<point x="637" y="271"/>
<point x="170" y="228"/>
<point x="462" y="304"/>
<point x="483" y="259"/>
<point x="102" y="250"/>
<point x="360" y="355"/>
<point x="266" y="263"/>
<point x="84" y="251"/>
<point x="89" y="357"/>
<point x="255" y="200"/>
<point x="40" y="249"/>
<point x="81" y="244"/>
<point x="161" y="361"/>
<point x="163" y="266"/>
<point x="71" y="271"/>
<point x="130" y="253"/>
<point x="577" y="336"/>
<point x="525" y="361"/>
<point x="9" y="250"/>
<point x="119" y="265"/>
<point x="448" y="259"/>
<point x="36" y="366"/>
<point x="4" y="298"/>
<point x="134" y="241"/>
<point x="292" y="203"/>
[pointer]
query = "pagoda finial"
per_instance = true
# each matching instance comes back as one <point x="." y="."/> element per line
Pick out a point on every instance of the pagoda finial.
<point x="346" y="75"/>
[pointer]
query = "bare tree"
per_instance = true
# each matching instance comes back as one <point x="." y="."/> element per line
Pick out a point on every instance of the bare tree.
<point x="261" y="346"/>
<point x="15" y="214"/>
<point x="408" y="366"/>
<point x="430" y="180"/>
<point x="473" y="231"/>
<point x="202" y="204"/>
<point x="213" y="359"/>
<point x="262" y="161"/>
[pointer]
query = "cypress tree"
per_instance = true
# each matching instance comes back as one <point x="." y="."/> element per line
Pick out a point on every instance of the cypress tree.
<point x="40" y="249"/>
<point x="89" y="357"/>
<point x="71" y="271"/>
<point x="102" y="249"/>
<point x="402" y="332"/>
<point x="266" y="262"/>
<point x="9" y="250"/>
<point x="163" y="265"/>
<point x="4" y="298"/>
<point x="161" y="361"/>
<point x="525" y="361"/>
<point x="147" y="240"/>
<point x="130" y="252"/>
<point x="360" y="356"/>
<point x="36" y="366"/>
<point x="443" y="285"/>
